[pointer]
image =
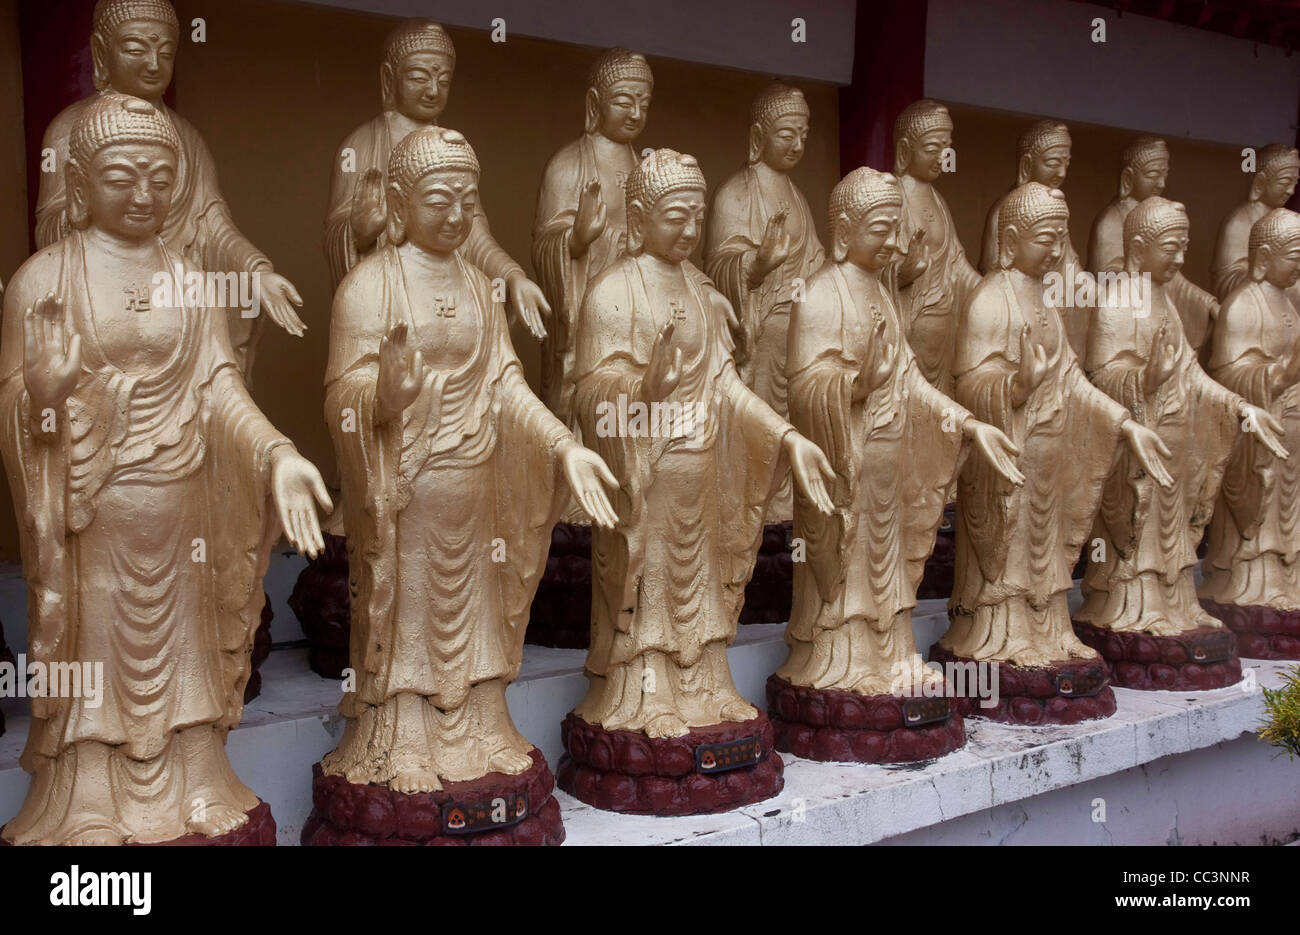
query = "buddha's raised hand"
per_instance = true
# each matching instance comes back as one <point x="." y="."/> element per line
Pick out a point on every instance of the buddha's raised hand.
<point x="401" y="374"/>
<point x="1033" y="368"/>
<point x="1160" y="365"/>
<point x="586" y="472"/>
<point x="914" y="260"/>
<point x="773" y="251"/>
<point x="369" y="215"/>
<point x="528" y="302"/>
<point x="878" y="365"/>
<point x="281" y="298"/>
<point x="590" y="220"/>
<point x="811" y="471"/>
<point x="295" y="484"/>
<point x="50" y="369"/>
<point x="664" y="371"/>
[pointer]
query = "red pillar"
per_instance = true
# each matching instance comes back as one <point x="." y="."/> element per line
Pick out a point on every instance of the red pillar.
<point x="888" y="74"/>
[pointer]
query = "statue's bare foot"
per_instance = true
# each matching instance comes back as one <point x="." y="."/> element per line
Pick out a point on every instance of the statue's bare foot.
<point x="738" y="710"/>
<point x="666" y="725"/>
<point x="411" y="781"/>
<point x="215" y="820"/>
<point x="96" y="837"/>
<point x="509" y="762"/>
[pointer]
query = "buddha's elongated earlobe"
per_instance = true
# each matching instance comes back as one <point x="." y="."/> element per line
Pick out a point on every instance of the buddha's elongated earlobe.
<point x="387" y="82"/>
<point x="755" y="144"/>
<point x="592" y="104"/>
<point x="1259" y="262"/>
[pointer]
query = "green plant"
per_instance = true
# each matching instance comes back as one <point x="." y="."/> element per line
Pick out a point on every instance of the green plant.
<point x="1282" y="705"/>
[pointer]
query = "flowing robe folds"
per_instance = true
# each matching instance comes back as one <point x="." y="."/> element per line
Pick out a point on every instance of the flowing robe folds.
<point x="932" y="304"/>
<point x="1077" y="316"/>
<point x="669" y="580"/>
<point x="1196" y="307"/>
<point x="895" y="454"/>
<point x="367" y="148"/>
<point x="1255" y="531"/>
<point x="562" y="278"/>
<point x="434" y="501"/>
<point x="198" y="226"/>
<point x="1150" y="534"/>
<point x="737" y="220"/>
<point x="1016" y="546"/>
<point x="143" y="469"/>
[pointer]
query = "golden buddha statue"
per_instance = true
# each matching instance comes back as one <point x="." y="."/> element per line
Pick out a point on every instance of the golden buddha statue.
<point x="149" y="490"/>
<point x="896" y="444"/>
<point x="760" y="239"/>
<point x="1138" y="589"/>
<point x="695" y="475"/>
<point x="1043" y="156"/>
<point x="1016" y="546"/>
<point x="581" y="224"/>
<point x="1144" y="170"/>
<point x="1277" y="167"/>
<point x="133" y="47"/>
<point x="415" y="81"/>
<point x="934" y="278"/>
<point x="1251" y="576"/>
<point x="453" y="475"/>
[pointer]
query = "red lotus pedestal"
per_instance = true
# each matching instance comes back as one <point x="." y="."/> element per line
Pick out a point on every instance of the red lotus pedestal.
<point x="1063" y="693"/>
<point x="496" y="809"/>
<point x="710" y="769"/>
<point x="1262" y="632"/>
<point x="1198" y="660"/>
<point x="840" y="726"/>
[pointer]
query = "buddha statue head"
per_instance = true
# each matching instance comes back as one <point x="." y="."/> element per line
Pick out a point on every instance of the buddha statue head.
<point x="1144" y="168"/>
<point x="921" y="134"/>
<point x="865" y="209"/>
<point x="415" y="76"/>
<point x="1277" y="167"/>
<point x="1274" y="248"/>
<point x="432" y="189"/>
<point x="1032" y="229"/>
<point x="1043" y="154"/>
<point x="1155" y="238"/>
<point x="665" y="206"/>
<point x="133" y="46"/>
<point x="619" y="87"/>
<point x="121" y="169"/>
<point x="778" y="127"/>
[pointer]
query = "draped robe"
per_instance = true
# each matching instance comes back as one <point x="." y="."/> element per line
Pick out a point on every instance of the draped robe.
<point x="468" y="469"/>
<point x="198" y="225"/>
<point x="669" y="580"/>
<point x="1016" y="546"/>
<point x="1196" y="307"/>
<point x="737" y="220"/>
<point x="895" y="455"/>
<point x="1255" y="531"/>
<point x="1144" y="581"/>
<point x="370" y="145"/>
<point x="932" y="304"/>
<point x="562" y="278"/>
<point x="146" y="466"/>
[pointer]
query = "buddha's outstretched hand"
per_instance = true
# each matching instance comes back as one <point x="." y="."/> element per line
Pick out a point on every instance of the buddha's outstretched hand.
<point x="586" y="472"/>
<point x="49" y="370"/>
<point x="664" y="371"/>
<point x="1149" y="450"/>
<point x="401" y="374"/>
<point x="998" y="450"/>
<point x="281" y="298"/>
<point x="528" y="302"/>
<point x="1265" y="428"/>
<point x="589" y="223"/>
<point x="295" y="483"/>
<point x="811" y="470"/>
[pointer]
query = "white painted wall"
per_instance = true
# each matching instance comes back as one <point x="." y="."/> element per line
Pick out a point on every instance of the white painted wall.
<point x="1037" y="57"/>
<point x="754" y="35"/>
